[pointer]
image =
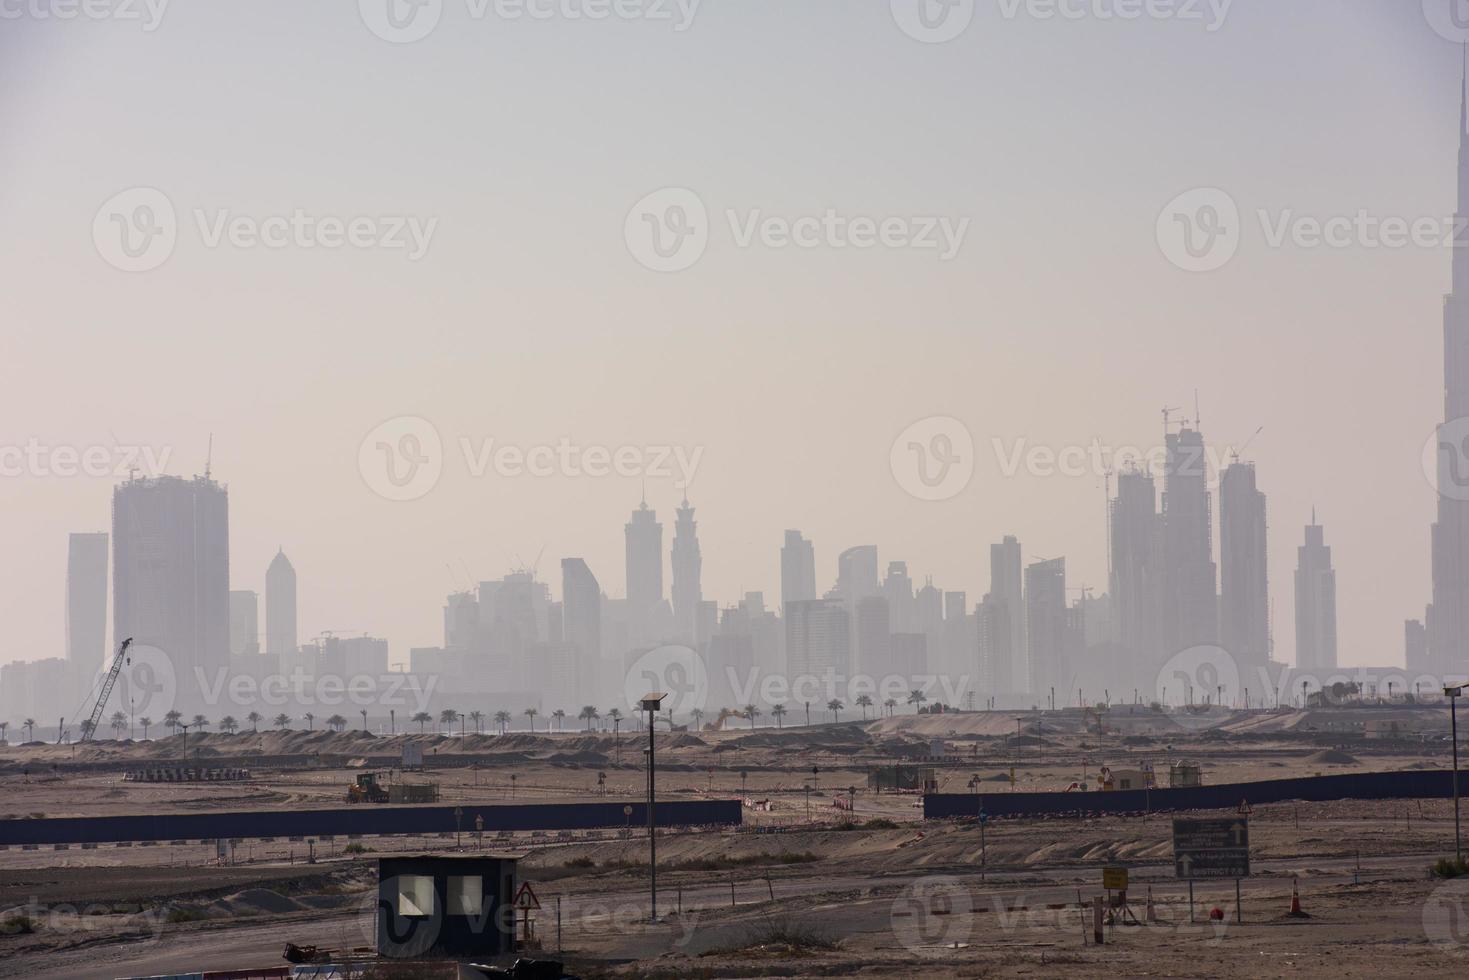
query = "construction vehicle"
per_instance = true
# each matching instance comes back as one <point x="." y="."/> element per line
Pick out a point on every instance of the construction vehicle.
<point x="367" y="789"/>
<point x="91" y="727"/>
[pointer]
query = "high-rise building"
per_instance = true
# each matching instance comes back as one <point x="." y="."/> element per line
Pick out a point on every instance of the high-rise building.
<point x="171" y="575"/>
<point x="643" y="538"/>
<point x="1244" y="593"/>
<point x="1047" y="629"/>
<point x="281" y="637"/>
<point x="874" y="637"/>
<point x="1315" y="602"/>
<point x="86" y="604"/>
<point x="818" y="643"/>
<point x="797" y="570"/>
<point x="857" y="574"/>
<point x="1136" y="577"/>
<point x="1190" y="596"/>
<point x="898" y="588"/>
<point x="1007" y="589"/>
<point x="996" y="661"/>
<point x="244" y="623"/>
<point x="461" y="621"/>
<point x="687" y="563"/>
<point x="1447" y="618"/>
<point x="581" y="611"/>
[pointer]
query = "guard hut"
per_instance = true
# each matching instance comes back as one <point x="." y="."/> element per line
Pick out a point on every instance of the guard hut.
<point x="446" y="906"/>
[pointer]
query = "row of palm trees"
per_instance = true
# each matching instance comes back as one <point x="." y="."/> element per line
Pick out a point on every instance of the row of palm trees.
<point x="449" y="717"/>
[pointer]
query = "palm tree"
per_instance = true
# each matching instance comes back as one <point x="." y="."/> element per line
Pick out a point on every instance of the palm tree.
<point x="447" y="717"/>
<point x="864" y="702"/>
<point x="254" y="719"/>
<point x="228" y="724"/>
<point x="200" y="722"/>
<point x="502" y="718"/>
<point x="560" y="716"/>
<point x="310" y="720"/>
<point x="588" y="714"/>
<point x="917" y="698"/>
<point x="835" y="707"/>
<point x="172" y="720"/>
<point x="478" y="718"/>
<point x="282" y="720"/>
<point x="30" y="726"/>
<point x="698" y="715"/>
<point x="423" y="718"/>
<point x="779" y="711"/>
<point x="616" y="715"/>
<point x="891" y="705"/>
<point x="336" y="723"/>
<point x="119" y="724"/>
<point x="752" y="712"/>
<point x="531" y="714"/>
<point x="88" y="728"/>
<point x="147" y="723"/>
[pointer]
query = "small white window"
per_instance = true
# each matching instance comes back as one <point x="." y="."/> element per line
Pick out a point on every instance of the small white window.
<point x="466" y="895"/>
<point x="415" y="896"/>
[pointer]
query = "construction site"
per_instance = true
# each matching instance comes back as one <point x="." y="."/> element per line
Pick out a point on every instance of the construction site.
<point x="953" y="844"/>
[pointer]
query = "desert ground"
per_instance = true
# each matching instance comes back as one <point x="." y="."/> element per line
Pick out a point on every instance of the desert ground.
<point x="806" y="888"/>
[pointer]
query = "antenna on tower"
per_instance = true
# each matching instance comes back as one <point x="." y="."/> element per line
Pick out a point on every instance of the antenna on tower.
<point x="209" y="457"/>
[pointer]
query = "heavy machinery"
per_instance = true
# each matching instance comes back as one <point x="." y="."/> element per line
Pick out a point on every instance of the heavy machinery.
<point x="367" y="789"/>
<point x="90" y="728"/>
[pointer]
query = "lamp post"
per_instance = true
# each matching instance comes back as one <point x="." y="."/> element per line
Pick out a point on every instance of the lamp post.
<point x="651" y="703"/>
<point x="1453" y="694"/>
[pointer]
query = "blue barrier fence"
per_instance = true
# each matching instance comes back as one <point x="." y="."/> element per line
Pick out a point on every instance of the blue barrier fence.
<point x="1410" y="785"/>
<point x="365" y="820"/>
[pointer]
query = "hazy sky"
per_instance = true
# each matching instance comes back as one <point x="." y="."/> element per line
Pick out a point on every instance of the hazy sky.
<point x="530" y="320"/>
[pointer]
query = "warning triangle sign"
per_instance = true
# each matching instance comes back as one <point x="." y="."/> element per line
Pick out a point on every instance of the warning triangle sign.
<point x="525" y="899"/>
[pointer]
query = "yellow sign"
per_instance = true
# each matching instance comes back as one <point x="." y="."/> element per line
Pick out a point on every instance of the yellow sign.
<point x="1114" y="879"/>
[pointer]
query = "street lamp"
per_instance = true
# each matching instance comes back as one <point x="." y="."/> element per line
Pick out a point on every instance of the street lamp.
<point x="651" y="703"/>
<point x="1453" y="694"/>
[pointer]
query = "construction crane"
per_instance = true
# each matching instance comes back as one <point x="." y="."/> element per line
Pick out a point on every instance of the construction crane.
<point x="107" y="685"/>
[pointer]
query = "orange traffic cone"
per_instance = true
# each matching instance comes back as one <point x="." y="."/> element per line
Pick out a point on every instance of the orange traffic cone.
<point x="1295" y="901"/>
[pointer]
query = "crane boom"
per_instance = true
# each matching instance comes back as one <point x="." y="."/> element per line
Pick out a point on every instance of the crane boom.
<point x="106" y="689"/>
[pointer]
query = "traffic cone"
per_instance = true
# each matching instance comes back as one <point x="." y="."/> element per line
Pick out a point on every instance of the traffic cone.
<point x="1295" y="902"/>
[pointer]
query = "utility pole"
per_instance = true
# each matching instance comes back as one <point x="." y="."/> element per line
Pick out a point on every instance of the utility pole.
<point x="651" y="703"/>
<point x="1453" y="694"/>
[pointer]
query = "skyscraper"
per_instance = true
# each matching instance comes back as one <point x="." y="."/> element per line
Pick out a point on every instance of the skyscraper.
<point x="1007" y="589"/>
<point x="897" y="586"/>
<point x="86" y="604"/>
<point x="1244" y="594"/>
<point x="281" y="638"/>
<point x="1190" y="597"/>
<point x="1447" y="619"/>
<point x="581" y="610"/>
<point x="1137" y="577"/>
<point x="797" y="570"/>
<point x="818" y="641"/>
<point x="1315" y="602"/>
<point x="687" y="568"/>
<point x="874" y="637"/>
<point x="643" y="537"/>
<point x="1047" y="629"/>
<point x="995" y="637"/>
<point x="171" y="574"/>
<point x="244" y="623"/>
<point x="857" y="574"/>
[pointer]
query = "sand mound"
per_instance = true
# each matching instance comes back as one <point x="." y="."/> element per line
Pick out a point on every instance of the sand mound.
<point x="1332" y="757"/>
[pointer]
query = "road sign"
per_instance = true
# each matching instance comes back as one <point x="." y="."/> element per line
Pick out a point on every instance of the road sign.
<point x="1211" y="848"/>
<point x="1114" y="879"/>
<point x="525" y="899"/>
